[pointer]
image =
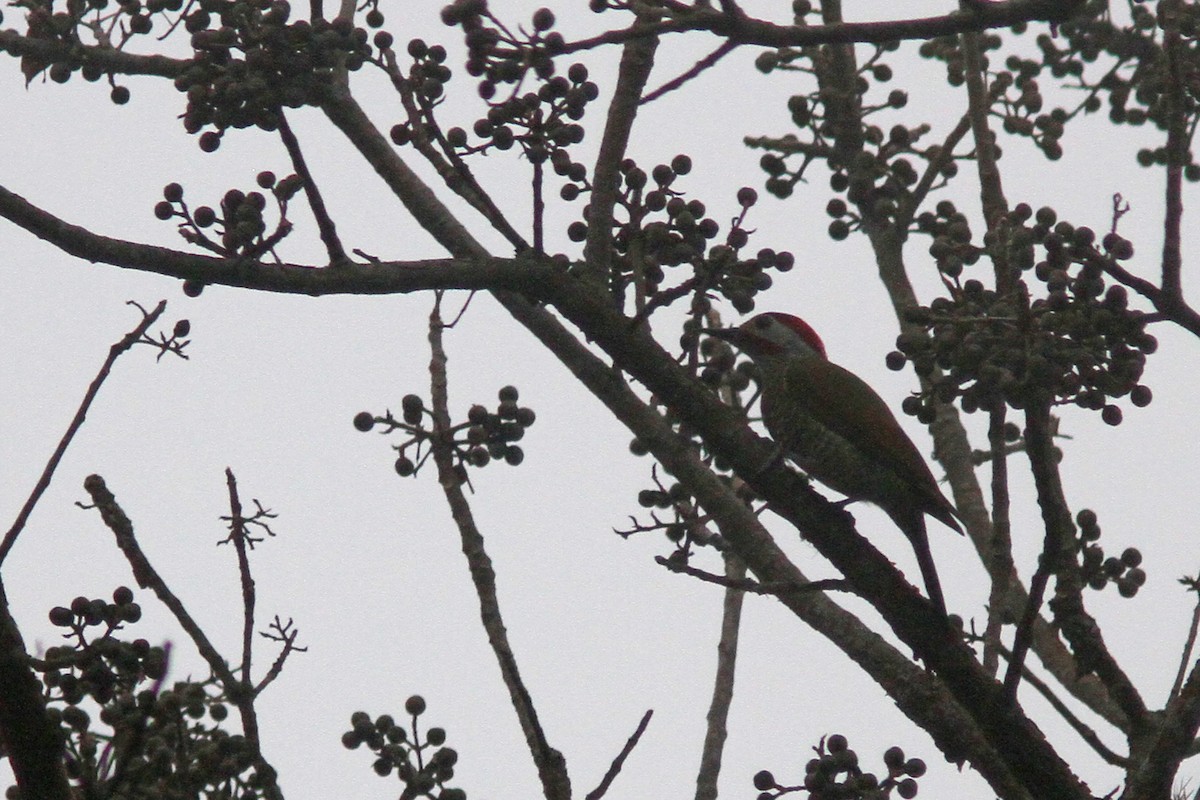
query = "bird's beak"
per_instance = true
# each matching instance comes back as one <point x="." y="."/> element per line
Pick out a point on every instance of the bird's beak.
<point x="731" y="335"/>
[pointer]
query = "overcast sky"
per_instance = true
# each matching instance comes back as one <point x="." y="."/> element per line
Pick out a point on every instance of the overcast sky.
<point x="368" y="565"/>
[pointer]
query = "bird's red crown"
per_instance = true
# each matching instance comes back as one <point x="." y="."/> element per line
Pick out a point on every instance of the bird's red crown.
<point x="802" y="329"/>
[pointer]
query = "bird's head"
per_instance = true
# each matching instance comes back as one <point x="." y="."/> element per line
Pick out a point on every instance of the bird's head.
<point x="773" y="335"/>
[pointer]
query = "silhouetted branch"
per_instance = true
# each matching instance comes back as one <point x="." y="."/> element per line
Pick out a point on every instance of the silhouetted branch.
<point x="619" y="761"/>
<point x="114" y="352"/>
<point x="550" y="763"/>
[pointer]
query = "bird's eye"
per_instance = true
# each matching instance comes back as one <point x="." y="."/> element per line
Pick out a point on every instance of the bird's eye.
<point x="762" y="323"/>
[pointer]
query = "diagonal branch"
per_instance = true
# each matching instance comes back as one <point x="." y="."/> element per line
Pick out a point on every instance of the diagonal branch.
<point x="1077" y="626"/>
<point x="552" y="768"/>
<point x="637" y="61"/>
<point x="700" y="66"/>
<point x="147" y="577"/>
<point x="618" y="762"/>
<point x="328" y="231"/>
<point x="127" y="341"/>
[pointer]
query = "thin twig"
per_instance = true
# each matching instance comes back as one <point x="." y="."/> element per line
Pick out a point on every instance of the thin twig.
<point x="329" y="235"/>
<point x="114" y="352"/>
<point x="1185" y="657"/>
<point x="945" y="154"/>
<point x="618" y="762"/>
<point x="707" y="62"/>
<point x="772" y="589"/>
<point x="454" y="171"/>
<point x="1085" y="731"/>
<point x="552" y="769"/>
<point x="287" y="634"/>
<point x="237" y="534"/>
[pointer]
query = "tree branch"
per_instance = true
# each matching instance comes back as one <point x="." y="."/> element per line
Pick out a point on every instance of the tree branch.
<point x="32" y="742"/>
<point x="1077" y="626"/>
<point x="637" y="61"/>
<point x="742" y="29"/>
<point x="715" y="730"/>
<point x="114" y="352"/>
<point x="552" y="768"/>
<point x="328" y="231"/>
<point x="147" y="577"/>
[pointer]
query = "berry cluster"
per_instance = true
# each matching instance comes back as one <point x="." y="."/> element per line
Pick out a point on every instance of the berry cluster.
<point x="240" y="222"/>
<point x="485" y="436"/>
<point x="423" y="767"/>
<point x="165" y="743"/>
<point x="1133" y="72"/>
<point x="1127" y="65"/>
<point x="497" y="55"/>
<point x="951" y="248"/>
<point x="97" y="664"/>
<point x="182" y="748"/>
<point x="90" y="23"/>
<point x="684" y="529"/>
<point x="542" y="123"/>
<point x="664" y="230"/>
<point x="827" y="118"/>
<point x="1126" y="572"/>
<point x="1081" y="343"/>
<point x="250" y="62"/>
<point x="835" y="775"/>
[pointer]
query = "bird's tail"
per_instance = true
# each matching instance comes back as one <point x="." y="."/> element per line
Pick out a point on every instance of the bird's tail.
<point x="920" y="542"/>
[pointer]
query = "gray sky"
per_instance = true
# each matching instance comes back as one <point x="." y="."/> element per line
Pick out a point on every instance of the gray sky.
<point x="368" y="565"/>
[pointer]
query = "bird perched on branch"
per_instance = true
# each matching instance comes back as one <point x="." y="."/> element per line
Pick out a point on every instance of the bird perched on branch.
<point x="839" y="431"/>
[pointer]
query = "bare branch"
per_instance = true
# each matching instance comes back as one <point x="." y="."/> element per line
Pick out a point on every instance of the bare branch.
<point x="1077" y="626"/>
<point x="148" y="578"/>
<point x="722" y="697"/>
<point x="700" y="66"/>
<point x="552" y="769"/>
<point x="751" y="586"/>
<point x="114" y="352"/>
<point x="637" y="60"/>
<point x="742" y="29"/>
<point x="333" y="245"/>
<point x="619" y="761"/>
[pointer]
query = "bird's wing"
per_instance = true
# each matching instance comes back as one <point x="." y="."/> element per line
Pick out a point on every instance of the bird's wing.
<point x="848" y="406"/>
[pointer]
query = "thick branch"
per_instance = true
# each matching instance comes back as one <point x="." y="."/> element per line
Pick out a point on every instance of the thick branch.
<point x="908" y="614"/>
<point x="1078" y="627"/>
<point x="636" y="62"/>
<point x="110" y="60"/>
<point x="742" y="29"/>
<point x="1173" y="740"/>
<point x="917" y="693"/>
<point x="31" y="741"/>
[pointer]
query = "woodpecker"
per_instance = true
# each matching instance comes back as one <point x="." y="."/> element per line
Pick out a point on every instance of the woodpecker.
<point x="841" y="432"/>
